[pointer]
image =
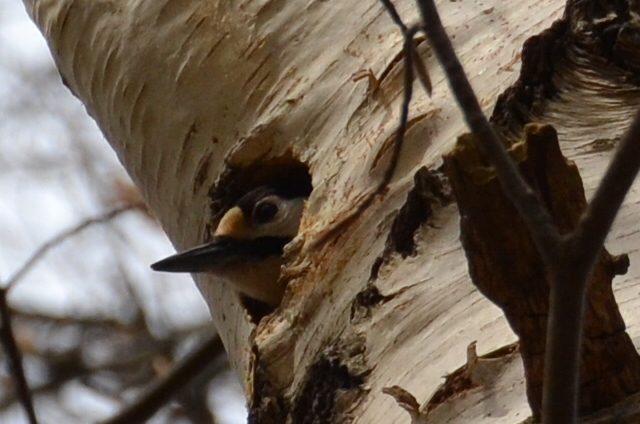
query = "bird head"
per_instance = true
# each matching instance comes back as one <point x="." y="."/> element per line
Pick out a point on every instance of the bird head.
<point x="247" y="246"/>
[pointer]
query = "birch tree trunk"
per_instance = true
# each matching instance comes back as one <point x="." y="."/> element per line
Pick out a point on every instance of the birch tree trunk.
<point x="204" y="99"/>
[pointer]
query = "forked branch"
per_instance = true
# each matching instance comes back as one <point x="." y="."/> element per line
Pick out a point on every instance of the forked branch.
<point x="159" y="393"/>
<point x="412" y="61"/>
<point x="570" y="258"/>
<point x="7" y="336"/>
<point x="8" y="341"/>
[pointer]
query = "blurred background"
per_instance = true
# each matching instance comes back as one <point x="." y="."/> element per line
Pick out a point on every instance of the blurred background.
<point x="94" y="323"/>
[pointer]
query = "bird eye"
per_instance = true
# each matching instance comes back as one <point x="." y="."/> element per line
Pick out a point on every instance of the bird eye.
<point x="264" y="212"/>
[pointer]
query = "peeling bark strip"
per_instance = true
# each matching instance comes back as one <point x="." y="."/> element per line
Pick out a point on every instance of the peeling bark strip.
<point x="507" y="269"/>
<point x="478" y="374"/>
<point x="479" y="371"/>
<point x="592" y="35"/>
<point x="541" y="55"/>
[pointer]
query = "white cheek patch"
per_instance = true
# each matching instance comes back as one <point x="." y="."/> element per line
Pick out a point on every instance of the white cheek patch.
<point x="287" y="220"/>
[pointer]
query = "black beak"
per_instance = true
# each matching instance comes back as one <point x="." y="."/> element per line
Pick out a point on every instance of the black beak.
<point x="220" y="251"/>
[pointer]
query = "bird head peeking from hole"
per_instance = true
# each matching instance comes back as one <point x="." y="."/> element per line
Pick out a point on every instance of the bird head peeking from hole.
<point x="247" y="246"/>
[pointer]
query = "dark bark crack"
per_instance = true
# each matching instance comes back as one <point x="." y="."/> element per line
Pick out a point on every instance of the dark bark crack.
<point x="364" y="302"/>
<point x="430" y="189"/>
<point x="267" y="404"/>
<point x="328" y="392"/>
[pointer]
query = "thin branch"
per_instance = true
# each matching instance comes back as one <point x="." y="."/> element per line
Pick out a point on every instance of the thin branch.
<point x="62" y="367"/>
<point x="409" y="51"/>
<point x="44" y="249"/>
<point x="8" y="340"/>
<point x="395" y="16"/>
<point x="159" y="393"/>
<point x="569" y="281"/>
<point x="538" y="220"/>
<point x="596" y="222"/>
<point x="560" y="391"/>
<point x="570" y="259"/>
<point x="543" y="231"/>
<point x="420" y="68"/>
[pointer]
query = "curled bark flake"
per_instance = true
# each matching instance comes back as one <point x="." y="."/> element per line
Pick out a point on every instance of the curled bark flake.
<point x="479" y="371"/>
<point x="405" y="401"/>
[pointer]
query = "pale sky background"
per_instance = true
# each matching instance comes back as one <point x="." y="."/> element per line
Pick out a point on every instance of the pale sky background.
<point x="55" y="171"/>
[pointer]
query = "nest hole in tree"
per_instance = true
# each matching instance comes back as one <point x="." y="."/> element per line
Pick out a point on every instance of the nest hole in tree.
<point x="285" y="173"/>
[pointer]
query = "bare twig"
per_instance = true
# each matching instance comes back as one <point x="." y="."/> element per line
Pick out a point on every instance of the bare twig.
<point x="64" y="366"/>
<point x="569" y="259"/>
<point x="159" y="393"/>
<point x="420" y="68"/>
<point x="44" y="249"/>
<point x="395" y="16"/>
<point x="543" y="231"/>
<point x="409" y="48"/>
<point x="569" y="284"/>
<point x="8" y="340"/>
<point x="596" y="222"/>
<point x="538" y="220"/>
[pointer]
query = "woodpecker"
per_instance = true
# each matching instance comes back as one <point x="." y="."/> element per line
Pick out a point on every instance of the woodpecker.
<point x="246" y="249"/>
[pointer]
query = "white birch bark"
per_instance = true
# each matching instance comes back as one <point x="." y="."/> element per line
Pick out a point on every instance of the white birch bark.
<point x="182" y="89"/>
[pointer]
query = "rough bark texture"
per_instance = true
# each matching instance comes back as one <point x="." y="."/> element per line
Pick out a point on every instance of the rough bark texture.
<point x="592" y="48"/>
<point x="505" y="266"/>
<point x="201" y="99"/>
